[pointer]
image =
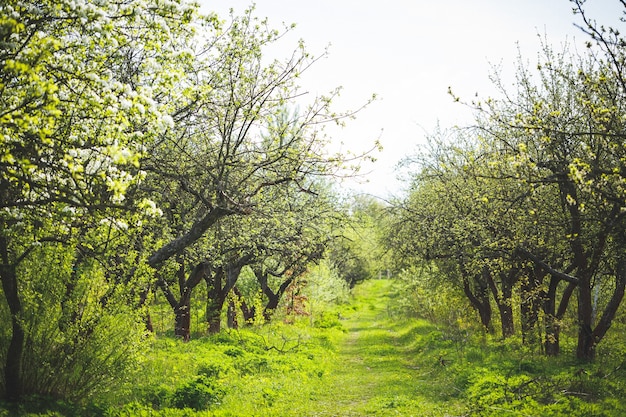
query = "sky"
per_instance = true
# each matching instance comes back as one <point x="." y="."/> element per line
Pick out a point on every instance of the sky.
<point x="409" y="53"/>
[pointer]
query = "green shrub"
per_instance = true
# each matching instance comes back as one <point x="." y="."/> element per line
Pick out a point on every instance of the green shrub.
<point x="211" y="370"/>
<point x="158" y="397"/>
<point x="198" y="394"/>
<point x="234" y="352"/>
<point x="252" y="364"/>
<point x="83" y="335"/>
<point x="328" y="320"/>
<point x="486" y="389"/>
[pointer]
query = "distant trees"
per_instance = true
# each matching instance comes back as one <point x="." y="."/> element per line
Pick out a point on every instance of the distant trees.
<point x="530" y="200"/>
<point x="358" y="253"/>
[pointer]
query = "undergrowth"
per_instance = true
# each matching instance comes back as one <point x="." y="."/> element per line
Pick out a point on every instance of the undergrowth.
<point x="366" y="358"/>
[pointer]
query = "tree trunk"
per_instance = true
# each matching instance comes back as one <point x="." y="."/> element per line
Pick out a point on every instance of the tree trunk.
<point x="530" y="305"/>
<point x="248" y="312"/>
<point x="214" y="314"/>
<point x="143" y="297"/>
<point x="503" y="301"/>
<point x="506" y="317"/>
<point x="215" y="301"/>
<point x="271" y="306"/>
<point x="231" y="315"/>
<point x="552" y="343"/>
<point x="182" y="325"/>
<point x="272" y="297"/>
<point x="182" y="305"/>
<point x="589" y="338"/>
<point x="13" y="365"/>
<point x="218" y="286"/>
<point x="586" y="345"/>
<point x="480" y="301"/>
<point x="505" y="305"/>
<point x="553" y="316"/>
<point x="148" y="322"/>
<point x="182" y="321"/>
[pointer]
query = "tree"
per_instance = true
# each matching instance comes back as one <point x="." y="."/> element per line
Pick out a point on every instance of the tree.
<point x="563" y="133"/>
<point x="233" y="139"/>
<point x="77" y="106"/>
<point x="291" y="244"/>
<point x="116" y="114"/>
<point x="465" y="221"/>
<point x="232" y="136"/>
<point x="278" y="242"/>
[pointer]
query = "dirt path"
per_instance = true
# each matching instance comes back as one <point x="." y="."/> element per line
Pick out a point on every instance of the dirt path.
<point x="374" y="374"/>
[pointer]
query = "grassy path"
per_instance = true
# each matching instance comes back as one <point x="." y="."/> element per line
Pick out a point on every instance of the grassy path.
<point x="381" y="368"/>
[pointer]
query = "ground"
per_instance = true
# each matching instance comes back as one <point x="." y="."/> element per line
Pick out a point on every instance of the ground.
<point x="378" y="369"/>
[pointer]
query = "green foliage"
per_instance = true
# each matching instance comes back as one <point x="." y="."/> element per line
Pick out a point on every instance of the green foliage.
<point x="266" y="365"/>
<point x="77" y="346"/>
<point x="525" y="211"/>
<point x="359" y="253"/>
<point x="423" y="293"/>
<point x="386" y="363"/>
<point x="140" y="138"/>
<point x="325" y="286"/>
<point x="328" y="320"/>
<point x="130" y="134"/>
<point x="198" y="394"/>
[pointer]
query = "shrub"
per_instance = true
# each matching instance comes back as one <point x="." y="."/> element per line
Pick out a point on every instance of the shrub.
<point x="328" y="320"/>
<point x="198" y="394"/>
<point x="210" y="370"/>
<point x="158" y="397"/>
<point x="83" y="335"/>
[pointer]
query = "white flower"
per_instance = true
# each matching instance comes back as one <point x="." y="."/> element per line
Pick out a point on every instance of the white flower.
<point x="125" y="104"/>
<point x="150" y="208"/>
<point x="168" y="121"/>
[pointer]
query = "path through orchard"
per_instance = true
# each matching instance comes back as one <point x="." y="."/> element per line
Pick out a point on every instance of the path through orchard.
<point x="383" y="366"/>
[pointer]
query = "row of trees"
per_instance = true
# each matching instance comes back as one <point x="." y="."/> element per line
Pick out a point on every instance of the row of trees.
<point x="527" y="209"/>
<point x="145" y="146"/>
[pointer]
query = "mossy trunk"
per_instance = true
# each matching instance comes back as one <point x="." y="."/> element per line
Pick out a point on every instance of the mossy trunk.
<point x="219" y="284"/>
<point x="214" y="315"/>
<point x="588" y="336"/>
<point x="182" y="321"/>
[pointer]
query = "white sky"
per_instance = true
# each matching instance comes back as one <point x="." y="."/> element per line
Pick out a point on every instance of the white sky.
<point x="409" y="53"/>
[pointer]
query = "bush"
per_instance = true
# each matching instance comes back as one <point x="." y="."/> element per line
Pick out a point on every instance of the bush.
<point x="328" y="320"/>
<point x="158" y="397"/>
<point x="198" y="394"/>
<point x="211" y="370"/>
<point x="83" y="337"/>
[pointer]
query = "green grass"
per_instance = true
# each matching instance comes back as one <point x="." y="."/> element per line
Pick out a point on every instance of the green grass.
<point x="362" y="359"/>
<point x="380" y="370"/>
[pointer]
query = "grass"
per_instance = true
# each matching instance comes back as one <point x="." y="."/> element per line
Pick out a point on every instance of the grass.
<point x="362" y="359"/>
<point x="380" y="369"/>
